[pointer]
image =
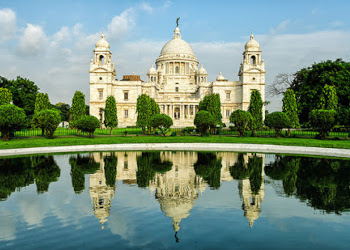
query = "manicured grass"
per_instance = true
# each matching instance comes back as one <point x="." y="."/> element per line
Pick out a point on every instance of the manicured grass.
<point x="80" y="140"/>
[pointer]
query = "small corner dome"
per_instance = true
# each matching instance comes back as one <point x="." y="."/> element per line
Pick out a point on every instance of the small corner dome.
<point x="102" y="43"/>
<point x="252" y="44"/>
<point x="152" y="71"/>
<point x="202" y="71"/>
<point x="220" y="77"/>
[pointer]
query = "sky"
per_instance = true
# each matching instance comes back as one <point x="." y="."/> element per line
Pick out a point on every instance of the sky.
<point x="52" y="42"/>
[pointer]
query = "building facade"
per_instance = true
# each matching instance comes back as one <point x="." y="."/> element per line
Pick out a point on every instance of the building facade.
<point x="176" y="83"/>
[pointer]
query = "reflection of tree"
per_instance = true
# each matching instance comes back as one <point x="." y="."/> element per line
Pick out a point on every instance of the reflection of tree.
<point x="285" y="168"/>
<point x="240" y="171"/>
<point x="255" y="178"/>
<point x="23" y="171"/>
<point x="209" y="167"/>
<point x="147" y="165"/>
<point x="110" y="170"/>
<point x="81" y="165"/>
<point x="14" y="174"/>
<point x="45" y="171"/>
<point x="323" y="183"/>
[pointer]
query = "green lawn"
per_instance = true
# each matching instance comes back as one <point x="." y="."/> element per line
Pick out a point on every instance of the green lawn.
<point x="80" y="140"/>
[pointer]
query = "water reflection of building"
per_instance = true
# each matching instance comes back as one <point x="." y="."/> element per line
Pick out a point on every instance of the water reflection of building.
<point x="177" y="189"/>
<point x="252" y="201"/>
<point x="100" y="193"/>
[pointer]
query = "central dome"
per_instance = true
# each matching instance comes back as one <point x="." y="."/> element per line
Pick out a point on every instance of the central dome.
<point x="177" y="46"/>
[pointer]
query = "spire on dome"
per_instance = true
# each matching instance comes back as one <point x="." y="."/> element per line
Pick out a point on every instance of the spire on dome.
<point x="177" y="34"/>
<point x="251" y="36"/>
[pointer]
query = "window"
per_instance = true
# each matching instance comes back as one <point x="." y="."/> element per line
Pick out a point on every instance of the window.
<point x="126" y="96"/>
<point x="253" y="60"/>
<point x="126" y="113"/>
<point x="177" y="89"/>
<point x="177" y="70"/>
<point x="126" y="165"/>
<point x="228" y="95"/>
<point x="100" y="94"/>
<point x="102" y="60"/>
<point x="228" y="113"/>
<point x="100" y="78"/>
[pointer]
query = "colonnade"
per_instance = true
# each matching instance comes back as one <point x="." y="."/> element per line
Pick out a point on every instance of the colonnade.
<point x="179" y="111"/>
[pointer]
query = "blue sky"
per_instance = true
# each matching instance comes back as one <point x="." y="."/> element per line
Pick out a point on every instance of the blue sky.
<point x="51" y="42"/>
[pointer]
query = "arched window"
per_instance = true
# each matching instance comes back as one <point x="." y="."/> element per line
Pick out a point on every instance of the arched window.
<point x="102" y="60"/>
<point x="253" y="60"/>
<point x="177" y="70"/>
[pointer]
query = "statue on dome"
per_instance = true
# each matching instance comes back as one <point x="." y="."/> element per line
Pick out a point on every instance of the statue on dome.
<point x="177" y="22"/>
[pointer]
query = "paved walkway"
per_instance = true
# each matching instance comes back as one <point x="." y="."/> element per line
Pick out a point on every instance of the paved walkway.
<point x="228" y="147"/>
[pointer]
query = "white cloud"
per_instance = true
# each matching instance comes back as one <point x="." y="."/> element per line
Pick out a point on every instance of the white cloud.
<point x="8" y="27"/>
<point x="146" y="7"/>
<point x="121" y="24"/>
<point x="33" y="41"/>
<point x="61" y="36"/>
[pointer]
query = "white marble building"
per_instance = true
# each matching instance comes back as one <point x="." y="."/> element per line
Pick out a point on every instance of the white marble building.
<point x="177" y="83"/>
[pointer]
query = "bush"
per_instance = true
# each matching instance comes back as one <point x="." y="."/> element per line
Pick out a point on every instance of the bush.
<point x="162" y="122"/>
<point x="11" y="118"/>
<point x="322" y="121"/>
<point x="277" y="121"/>
<point x="88" y="124"/>
<point x="47" y="120"/>
<point x="241" y="119"/>
<point x="203" y="120"/>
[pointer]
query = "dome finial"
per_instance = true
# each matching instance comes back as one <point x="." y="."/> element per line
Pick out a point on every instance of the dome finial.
<point x="251" y="36"/>
<point x="177" y="22"/>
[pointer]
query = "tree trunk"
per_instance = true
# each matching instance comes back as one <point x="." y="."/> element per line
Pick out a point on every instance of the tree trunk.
<point x="6" y="135"/>
<point x="42" y="132"/>
<point x="288" y="131"/>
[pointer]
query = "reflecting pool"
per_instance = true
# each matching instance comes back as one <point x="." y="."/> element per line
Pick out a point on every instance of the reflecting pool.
<point x="174" y="200"/>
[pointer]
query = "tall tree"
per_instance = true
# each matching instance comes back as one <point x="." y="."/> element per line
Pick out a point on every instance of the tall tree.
<point x="11" y="118"/>
<point x="5" y="96"/>
<point x="308" y="85"/>
<point x="144" y="112"/>
<point x="328" y="98"/>
<point x="255" y="109"/>
<point x="77" y="110"/>
<point x="155" y="110"/>
<point x="111" y="119"/>
<point x="23" y="92"/>
<point x="212" y="104"/>
<point x="42" y="102"/>
<point x="291" y="109"/>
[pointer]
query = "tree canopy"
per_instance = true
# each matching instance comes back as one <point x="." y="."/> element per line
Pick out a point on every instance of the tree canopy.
<point x="146" y="108"/>
<point x="42" y="102"/>
<point x="11" y="118"/>
<point x="111" y="119"/>
<point x="240" y="119"/>
<point x="290" y="108"/>
<point x="309" y="85"/>
<point x="23" y="92"/>
<point x="212" y="104"/>
<point x="77" y="110"/>
<point x="255" y="109"/>
<point x="5" y="96"/>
